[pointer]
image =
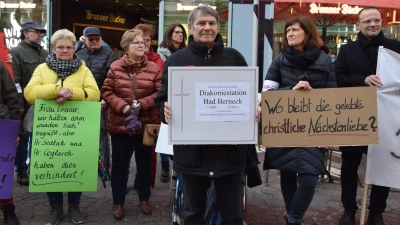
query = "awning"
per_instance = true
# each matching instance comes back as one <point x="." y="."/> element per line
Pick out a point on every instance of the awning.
<point x="286" y="10"/>
<point x="375" y="3"/>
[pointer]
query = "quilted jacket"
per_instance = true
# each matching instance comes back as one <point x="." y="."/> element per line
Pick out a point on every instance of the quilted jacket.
<point x="98" y="61"/>
<point x="302" y="160"/>
<point x="117" y="91"/>
<point x="41" y="85"/>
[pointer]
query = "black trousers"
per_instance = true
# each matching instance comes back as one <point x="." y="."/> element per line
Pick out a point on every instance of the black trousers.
<point x="228" y="189"/>
<point x="348" y="175"/>
<point x="122" y="147"/>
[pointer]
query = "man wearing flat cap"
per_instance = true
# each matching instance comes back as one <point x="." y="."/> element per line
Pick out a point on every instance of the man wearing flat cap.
<point x="26" y="57"/>
<point x="97" y="58"/>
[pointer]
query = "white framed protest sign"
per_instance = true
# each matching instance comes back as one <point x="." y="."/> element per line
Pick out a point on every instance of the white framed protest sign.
<point x="212" y="105"/>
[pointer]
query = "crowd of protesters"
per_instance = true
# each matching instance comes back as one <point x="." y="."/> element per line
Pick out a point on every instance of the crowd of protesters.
<point x="136" y="85"/>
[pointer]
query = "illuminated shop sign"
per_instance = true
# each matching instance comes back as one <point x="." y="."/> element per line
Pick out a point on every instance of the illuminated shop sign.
<point x="21" y="5"/>
<point x="345" y="9"/>
<point x="181" y="7"/>
<point x="12" y="34"/>
<point x="106" y="18"/>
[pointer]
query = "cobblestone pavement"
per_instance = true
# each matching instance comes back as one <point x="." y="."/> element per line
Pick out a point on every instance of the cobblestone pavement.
<point x="265" y="203"/>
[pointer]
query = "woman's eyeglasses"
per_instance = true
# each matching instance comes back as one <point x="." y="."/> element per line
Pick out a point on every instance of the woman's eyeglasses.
<point x="178" y="32"/>
<point x="62" y="48"/>
<point x="136" y="43"/>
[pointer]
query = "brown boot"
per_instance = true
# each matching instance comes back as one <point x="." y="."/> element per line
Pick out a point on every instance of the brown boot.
<point x="118" y="212"/>
<point x="145" y="207"/>
<point x="9" y="215"/>
<point x="23" y="179"/>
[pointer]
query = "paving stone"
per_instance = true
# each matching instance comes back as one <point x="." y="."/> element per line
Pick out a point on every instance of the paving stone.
<point x="265" y="203"/>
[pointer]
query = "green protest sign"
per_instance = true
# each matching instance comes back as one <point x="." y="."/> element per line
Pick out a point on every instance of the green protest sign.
<point x="65" y="146"/>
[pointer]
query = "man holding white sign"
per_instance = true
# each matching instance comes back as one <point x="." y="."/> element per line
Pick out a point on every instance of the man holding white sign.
<point x="199" y="163"/>
<point x="356" y="66"/>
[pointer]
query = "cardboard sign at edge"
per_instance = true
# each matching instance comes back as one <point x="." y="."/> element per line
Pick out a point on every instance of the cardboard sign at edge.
<point x="332" y="96"/>
<point x="4" y="53"/>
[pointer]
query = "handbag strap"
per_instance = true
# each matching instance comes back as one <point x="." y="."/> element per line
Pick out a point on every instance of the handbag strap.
<point x="133" y="88"/>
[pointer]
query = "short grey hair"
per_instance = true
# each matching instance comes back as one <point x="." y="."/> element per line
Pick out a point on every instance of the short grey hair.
<point x="62" y="34"/>
<point x="202" y="10"/>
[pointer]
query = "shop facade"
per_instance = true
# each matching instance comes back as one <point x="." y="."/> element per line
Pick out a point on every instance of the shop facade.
<point x="335" y="21"/>
<point x="112" y="24"/>
<point x="14" y="13"/>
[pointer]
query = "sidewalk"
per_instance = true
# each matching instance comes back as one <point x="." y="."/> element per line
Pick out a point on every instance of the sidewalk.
<point x="265" y="203"/>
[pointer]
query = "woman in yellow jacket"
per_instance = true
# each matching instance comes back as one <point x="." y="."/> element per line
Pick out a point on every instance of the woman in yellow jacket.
<point x="63" y="77"/>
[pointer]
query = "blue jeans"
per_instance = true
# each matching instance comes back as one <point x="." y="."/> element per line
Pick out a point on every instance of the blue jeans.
<point x="297" y="199"/>
<point x="56" y="198"/>
<point x="164" y="158"/>
<point x="22" y="151"/>
<point x="216" y="218"/>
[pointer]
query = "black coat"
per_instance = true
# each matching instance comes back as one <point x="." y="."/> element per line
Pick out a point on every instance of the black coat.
<point x="8" y="92"/>
<point x="98" y="61"/>
<point x="321" y="73"/>
<point x="204" y="160"/>
<point x="302" y="160"/>
<point x="352" y="66"/>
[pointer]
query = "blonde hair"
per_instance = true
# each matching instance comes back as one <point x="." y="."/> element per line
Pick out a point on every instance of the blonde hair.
<point x="62" y="34"/>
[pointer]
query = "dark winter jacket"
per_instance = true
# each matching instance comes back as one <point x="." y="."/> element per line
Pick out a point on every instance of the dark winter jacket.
<point x="8" y="92"/>
<point x="204" y="160"/>
<point x="302" y="160"/>
<point x="352" y="66"/>
<point x="117" y="91"/>
<point x="26" y="58"/>
<point x="98" y="61"/>
<point x="321" y="73"/>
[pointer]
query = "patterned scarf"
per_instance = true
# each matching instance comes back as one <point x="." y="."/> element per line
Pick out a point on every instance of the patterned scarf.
<point x="63" y="68"/>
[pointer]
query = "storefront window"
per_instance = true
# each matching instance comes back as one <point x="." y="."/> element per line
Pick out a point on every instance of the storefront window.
<point x="14" y="13"/>
<point x="177" y="11"/>
<point x="336" y="23"/>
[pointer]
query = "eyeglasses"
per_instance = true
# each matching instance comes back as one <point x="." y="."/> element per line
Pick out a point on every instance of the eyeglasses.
<point x="369" y="22"/>
<point x="91" y="39"/>
<point x="136" y="43"/>
<point x="38" y="32"/>
<point x="147" y="40"/>
<point x="62" y="48"/>
<point x="178" y="32"/>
